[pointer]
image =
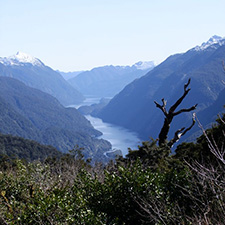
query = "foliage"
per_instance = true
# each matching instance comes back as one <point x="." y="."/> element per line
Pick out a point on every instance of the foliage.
<point x="150" y="154"/>
<point x="200" y="150"/>
<point x="17" y="147"/>
<point x="33" y="194"/>
<point x="149" y="186"/>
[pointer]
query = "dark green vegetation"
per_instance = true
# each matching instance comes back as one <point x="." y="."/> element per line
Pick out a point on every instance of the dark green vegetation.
<point x="17" y="147"/>
<point x="134" y="106"/>
<point x="107" y="81"/>
<point x="36" y="115"/>
<point x="43" y="78"/>
<point x="149" y="186"/>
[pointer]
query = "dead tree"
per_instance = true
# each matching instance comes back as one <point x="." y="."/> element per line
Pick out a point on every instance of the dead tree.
<point x="169" y="115"/>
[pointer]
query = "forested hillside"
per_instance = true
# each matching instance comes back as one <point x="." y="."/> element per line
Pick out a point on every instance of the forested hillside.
<point x="33" y="114"/>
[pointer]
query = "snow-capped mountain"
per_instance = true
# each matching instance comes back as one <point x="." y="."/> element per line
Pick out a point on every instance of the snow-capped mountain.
<point x="214" y="42"/>
<point x="19" y="59"/>
<point x="144" y="65"/>
<point x="32" y="72"/>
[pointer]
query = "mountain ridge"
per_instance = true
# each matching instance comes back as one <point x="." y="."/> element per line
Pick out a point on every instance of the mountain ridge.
<point x="213" y="42"/>
<point x="107" y="81"/>
<point x="35" y="74"/>
<point x="134" y="107"/>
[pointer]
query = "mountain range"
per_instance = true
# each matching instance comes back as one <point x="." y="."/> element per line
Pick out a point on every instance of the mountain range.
<point x="107" y="81"/>
<point x="33" y="96"/>
<point x="134" y="107"/>
<point x="36" y="74"/>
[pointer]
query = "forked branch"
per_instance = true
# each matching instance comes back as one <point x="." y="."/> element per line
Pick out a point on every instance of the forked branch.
<point x="181" y="132"/>
<point x="162" y="107"/>
<point x="169" y="115"/>
<point x="178" y="102"/>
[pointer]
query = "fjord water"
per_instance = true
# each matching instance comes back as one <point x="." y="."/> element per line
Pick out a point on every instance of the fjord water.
<point x="119" y="137"/>
<point x="89" y="100"/>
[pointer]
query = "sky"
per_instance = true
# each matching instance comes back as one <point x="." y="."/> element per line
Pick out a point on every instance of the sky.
<point x="73" y="35"/>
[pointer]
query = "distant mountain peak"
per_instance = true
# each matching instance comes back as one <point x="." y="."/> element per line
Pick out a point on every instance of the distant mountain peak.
<point x="21" y="58"/>
<point x="214" y="42"/>
<point x="144" y="65"/>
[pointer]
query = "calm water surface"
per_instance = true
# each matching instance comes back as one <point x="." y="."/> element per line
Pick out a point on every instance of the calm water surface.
<point x="119" y="137"/>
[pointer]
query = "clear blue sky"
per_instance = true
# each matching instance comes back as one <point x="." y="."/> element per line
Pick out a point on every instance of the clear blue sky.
<point x="72" y="35"/>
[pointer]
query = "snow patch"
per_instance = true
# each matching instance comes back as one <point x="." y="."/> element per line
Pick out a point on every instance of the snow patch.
<point x="214" y="42"/>
<point x="144" y="65"/>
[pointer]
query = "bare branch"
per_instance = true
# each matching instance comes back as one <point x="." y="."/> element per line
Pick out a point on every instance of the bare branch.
<point x="170" y="115"/>
<point x="177" y="137"/>
<point x="186" y="85"/>
<point x="181" y="132"/>
<point x="221" y="119"/>
<point x="219" y="154"/>
<point x="185" y="110"/>
<point x="164" y="102"/>
<point x="193" y="123"/>
<point x="178" y="102"/>
<point x="162" y="107"/>
<point x="155" y="210"/>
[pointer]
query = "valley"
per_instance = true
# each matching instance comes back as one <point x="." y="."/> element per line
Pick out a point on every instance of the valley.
<point x="112" y="112"/>
<point x="120" y="138"/>
<point x="111" y="107"/>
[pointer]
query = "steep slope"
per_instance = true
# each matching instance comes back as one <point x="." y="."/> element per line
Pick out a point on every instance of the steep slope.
<point x="39" y="116"/>
<point x="134" y="107"/>
<point x="136" y="96"/>
<point x="35" y="74"/>
<point x="11" y="122"/>
<point x="208" y="116"/>
<point x="43" y="109"/>
<point x="209" y="113"/>
<point x="107" y="81"/>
